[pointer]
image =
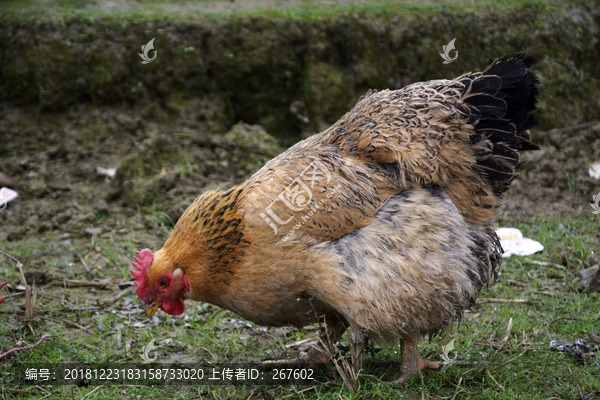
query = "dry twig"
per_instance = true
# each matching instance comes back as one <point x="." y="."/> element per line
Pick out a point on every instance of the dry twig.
<point x="514" y="358"/>
<point x="349" y="371"/>
<point x="545" y="264"/>
<point x="508" y="330"/>
<point x="346" y="371"/>
<point x="91" y="392"/>
<point x="70" y="283"/>
<point x="29" y="301"/>
<point x="562" y="319"/>
<point x="491" y="300"/>
<point x="112" y="300"/>
<point x="119" y="334"/>
<point x="457" y="387"/>
<point x="64" y="321"/>
<point x="495" y="381"/>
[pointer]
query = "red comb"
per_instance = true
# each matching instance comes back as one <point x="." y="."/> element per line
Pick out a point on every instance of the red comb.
<point x="142" y="264"/>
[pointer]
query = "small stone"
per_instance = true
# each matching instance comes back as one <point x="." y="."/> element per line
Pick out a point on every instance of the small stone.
<point x="87" y="218"/>
<point x="102" y="206"/>
<point x="590" y="278"/>
<point x="593" y="259"/>
<point x="594" y="285"/>
<point x="588" y="273"/>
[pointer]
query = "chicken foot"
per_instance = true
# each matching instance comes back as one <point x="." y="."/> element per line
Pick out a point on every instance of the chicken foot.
<point x="411" y="361"/>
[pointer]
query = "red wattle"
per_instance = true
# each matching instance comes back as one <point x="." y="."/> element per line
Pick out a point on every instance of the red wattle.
<point x="173" y="307"/>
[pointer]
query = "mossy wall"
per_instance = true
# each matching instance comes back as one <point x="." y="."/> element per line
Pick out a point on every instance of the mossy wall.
<point x="280" y="72"/>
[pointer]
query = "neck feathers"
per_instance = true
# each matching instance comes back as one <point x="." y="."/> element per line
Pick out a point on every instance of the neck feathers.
<point x="208" y="241"/>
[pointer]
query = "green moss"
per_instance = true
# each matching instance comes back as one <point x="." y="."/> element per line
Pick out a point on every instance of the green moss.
<point x="253" y="66"/>
<point x="328" y="92"/>
<point x="253" y="139"/>
<point x="257" y="64"/>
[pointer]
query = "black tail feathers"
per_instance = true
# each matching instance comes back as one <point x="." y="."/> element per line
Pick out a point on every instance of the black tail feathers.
<point x="501" y="99"/>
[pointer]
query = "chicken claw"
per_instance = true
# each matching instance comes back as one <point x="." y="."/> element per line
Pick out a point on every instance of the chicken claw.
<point x="412" y="362"/>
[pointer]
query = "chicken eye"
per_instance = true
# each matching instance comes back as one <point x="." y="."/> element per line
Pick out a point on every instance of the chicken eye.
<point x="164" y="282"/>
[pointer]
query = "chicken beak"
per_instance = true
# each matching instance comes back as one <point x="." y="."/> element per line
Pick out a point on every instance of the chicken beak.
<point x="151" y="309"/>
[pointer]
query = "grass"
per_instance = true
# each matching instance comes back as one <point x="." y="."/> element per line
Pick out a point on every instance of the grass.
<point x="495" y="361"/>
<point x="295" y="9"/>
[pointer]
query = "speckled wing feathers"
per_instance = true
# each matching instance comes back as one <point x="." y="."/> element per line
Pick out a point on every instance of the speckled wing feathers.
<point x="461" y="135"/>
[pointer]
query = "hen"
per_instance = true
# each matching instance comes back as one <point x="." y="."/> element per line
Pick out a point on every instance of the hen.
<point x="381" y="223"/>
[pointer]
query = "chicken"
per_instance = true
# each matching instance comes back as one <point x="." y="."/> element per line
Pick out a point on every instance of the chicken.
<point x="381" y="223"/>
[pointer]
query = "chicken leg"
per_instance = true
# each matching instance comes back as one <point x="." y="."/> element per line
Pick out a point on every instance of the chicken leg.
<point x="411" y="361"/>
